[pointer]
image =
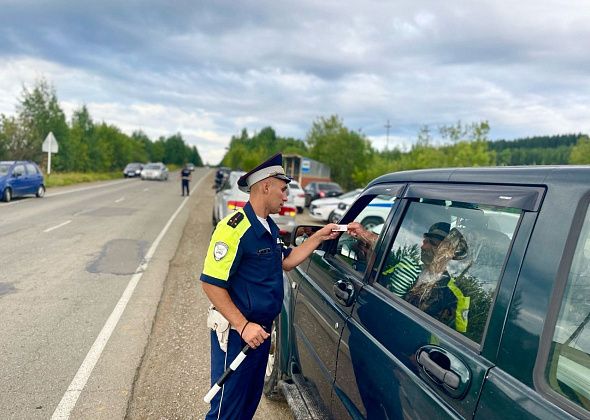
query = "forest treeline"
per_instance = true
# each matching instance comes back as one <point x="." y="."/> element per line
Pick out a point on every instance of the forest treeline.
<point x="84" y="145"/>
<point x="89" y="146"/>
<point x="354" y="162"/>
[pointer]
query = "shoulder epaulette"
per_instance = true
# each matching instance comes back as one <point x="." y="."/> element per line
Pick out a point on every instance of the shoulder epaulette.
<point x="235" y="219"/>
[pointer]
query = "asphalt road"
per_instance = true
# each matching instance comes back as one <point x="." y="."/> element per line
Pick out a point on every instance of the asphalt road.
<point x="100" y="313"/>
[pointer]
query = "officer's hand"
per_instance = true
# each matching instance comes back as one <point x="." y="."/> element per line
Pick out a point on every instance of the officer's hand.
<point x="254" y="335"/>
<point x="326" y="233"/>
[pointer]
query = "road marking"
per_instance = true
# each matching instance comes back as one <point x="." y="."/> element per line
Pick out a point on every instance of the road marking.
<point x="69" y="399"/>
<point x="146" y="189"/>
<point x="119" y="200"/>
<point x="106" y="184"/>
<point x="57" y="227"/>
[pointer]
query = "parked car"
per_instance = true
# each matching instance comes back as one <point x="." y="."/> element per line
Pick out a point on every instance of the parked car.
<point x="322" y="208"/>
<point x="297" y="195"/>
<point x="190" y="167"/>
<point x="229" y="198"/>
<point x="492" y="323"/>
<point x="157" y="171"/>
<point x="132" y="170"/>
<point x="20" y="177"/>
<point x="315" y="190"/>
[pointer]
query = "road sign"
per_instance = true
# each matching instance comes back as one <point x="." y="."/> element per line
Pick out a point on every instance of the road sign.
<point x="50" y="144"/>
<point x="305" y="165"/>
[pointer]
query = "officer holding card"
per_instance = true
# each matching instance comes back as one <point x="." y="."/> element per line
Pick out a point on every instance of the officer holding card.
<point x="242" y="277"/>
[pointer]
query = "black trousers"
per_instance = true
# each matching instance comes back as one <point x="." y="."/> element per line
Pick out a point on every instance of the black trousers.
<point x="185" y="186"/>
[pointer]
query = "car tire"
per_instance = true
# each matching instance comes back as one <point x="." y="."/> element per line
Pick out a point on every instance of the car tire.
<point x="370" y="222"/>
<point x="7" y="196"/>
<point x="40" y="191"/>
<point x="272" y="374"/>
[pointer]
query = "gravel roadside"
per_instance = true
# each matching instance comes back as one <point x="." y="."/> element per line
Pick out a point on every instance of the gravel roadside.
<point x="174" y="373"/>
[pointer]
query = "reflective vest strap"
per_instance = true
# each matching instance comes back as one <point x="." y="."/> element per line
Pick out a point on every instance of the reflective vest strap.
<point x="462" y="310"/>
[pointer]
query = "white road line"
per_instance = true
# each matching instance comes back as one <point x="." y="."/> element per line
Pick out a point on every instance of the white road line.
<point x="57" y="227"/>
<point x="119" y="200"/>
<point x="146" y="189"/>
<point x="69" y="399"/>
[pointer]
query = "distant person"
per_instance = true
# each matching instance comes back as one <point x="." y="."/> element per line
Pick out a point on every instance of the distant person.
<point x="185" y="176"/>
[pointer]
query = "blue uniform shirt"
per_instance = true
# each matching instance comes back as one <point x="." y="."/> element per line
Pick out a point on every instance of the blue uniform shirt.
<point x="244" y="258"/>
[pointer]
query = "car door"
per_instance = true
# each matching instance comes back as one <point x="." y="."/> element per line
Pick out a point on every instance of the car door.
<point x="414" y="347"/>
<point x="325" y="298"/>
<point x="18" y="180"/>
<point x="31" y="179"/>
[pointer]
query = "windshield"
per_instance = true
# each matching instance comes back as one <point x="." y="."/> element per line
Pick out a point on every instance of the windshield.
<point x="329" y="186"/>
<point x="153" y="166"/>
<point x="4" y="169"/>
<point x="133" y="166"/>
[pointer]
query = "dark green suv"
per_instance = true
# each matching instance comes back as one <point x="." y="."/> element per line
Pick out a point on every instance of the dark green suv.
<point x="472" y="300"/>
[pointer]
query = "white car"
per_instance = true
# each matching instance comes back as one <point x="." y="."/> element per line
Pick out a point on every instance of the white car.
<point x="297" y="195"/>
<point x="156" y="170"/>
<point x="229" y="198"/>
<point x="322" y="208"/>
<point x="374" y="214"/>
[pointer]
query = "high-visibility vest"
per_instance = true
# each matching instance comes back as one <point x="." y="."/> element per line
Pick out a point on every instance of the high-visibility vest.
<point x="462" y="309"/>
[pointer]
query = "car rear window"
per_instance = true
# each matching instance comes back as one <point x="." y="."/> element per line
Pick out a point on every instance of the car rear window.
<point x="328" y="186"/>
<point x="568" y="367"/>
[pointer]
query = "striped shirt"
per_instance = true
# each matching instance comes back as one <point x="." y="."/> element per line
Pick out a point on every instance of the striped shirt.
<point x="401" y="277"/>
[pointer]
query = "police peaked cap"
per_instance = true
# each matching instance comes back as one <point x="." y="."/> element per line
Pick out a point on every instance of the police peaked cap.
<point x="272" y="167"/>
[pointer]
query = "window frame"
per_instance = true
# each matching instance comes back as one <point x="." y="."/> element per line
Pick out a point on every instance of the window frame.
<point x="557" y="295"/>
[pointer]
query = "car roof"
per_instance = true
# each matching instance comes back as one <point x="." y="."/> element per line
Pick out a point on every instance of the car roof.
<point x="535" y="175"/>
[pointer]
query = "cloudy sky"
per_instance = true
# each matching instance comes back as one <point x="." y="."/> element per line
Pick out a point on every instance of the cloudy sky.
<point x="209" y="69"/>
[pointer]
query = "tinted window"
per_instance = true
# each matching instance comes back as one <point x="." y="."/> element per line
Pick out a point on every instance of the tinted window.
<point x="18" y="170"/>
<point x="447" y="258"/>
<point x="32" y="169"/>
<point x="568" y="369"/>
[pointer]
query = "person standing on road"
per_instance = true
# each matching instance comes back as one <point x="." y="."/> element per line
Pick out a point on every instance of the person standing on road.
<point x="242" y="277"/>
<point x="185" y="176"/>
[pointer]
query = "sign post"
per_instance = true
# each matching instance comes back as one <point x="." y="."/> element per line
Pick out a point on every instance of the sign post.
<point x="50" y="146"/>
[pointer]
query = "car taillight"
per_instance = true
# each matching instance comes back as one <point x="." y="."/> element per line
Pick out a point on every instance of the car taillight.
<point x="300" y="195"/>
<point x="288" y="211"/>
<point x="322" y="194"/>
<point x="233" y="205"/>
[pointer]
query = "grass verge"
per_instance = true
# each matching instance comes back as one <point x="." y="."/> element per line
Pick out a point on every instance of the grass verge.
<point x="60" y="179"/>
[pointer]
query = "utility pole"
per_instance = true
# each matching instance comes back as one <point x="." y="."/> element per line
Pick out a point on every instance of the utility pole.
<point x="387" y="126"/>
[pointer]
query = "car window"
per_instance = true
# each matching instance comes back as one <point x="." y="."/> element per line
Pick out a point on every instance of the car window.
<point x="568" y="368"/>
<point x="4" y="169"/>
<point x="18" y="170"/>
<point x="32" y="169"/>
<point x="447" y="258"/>
<point x="357" y="251"/>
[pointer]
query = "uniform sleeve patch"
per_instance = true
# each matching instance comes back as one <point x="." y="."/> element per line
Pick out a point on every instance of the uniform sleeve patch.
<point x="220" y="250"/>
<point x="235" y="219"/>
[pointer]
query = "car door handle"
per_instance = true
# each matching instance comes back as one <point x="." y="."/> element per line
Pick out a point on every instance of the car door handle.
<point x="344" y="291"/>
<point x="446" y="376"/>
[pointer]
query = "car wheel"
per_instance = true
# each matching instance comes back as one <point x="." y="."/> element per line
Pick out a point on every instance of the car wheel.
<point x="7" y="195"/>
<point x="272" y="374"/>
<point x="40" y="191"/>
<point x="371" y="222"/>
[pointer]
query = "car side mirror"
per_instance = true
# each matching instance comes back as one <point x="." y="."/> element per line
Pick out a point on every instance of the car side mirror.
<point x="301" y="233"/>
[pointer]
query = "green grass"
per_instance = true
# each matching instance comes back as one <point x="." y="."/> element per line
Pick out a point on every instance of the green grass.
<point x="60" y="179"/>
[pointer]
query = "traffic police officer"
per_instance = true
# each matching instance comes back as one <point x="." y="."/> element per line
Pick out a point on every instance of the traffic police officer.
<point x="242" y="277"/>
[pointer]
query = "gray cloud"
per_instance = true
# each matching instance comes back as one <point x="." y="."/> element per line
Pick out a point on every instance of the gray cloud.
<point x="210" y="68"/>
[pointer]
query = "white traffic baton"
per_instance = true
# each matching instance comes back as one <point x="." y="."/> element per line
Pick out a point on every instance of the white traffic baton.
<point x="228" y="372"/>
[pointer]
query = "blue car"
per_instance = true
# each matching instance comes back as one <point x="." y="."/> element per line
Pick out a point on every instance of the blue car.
<point x="18" y="178"/>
